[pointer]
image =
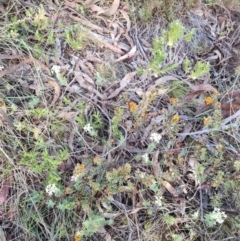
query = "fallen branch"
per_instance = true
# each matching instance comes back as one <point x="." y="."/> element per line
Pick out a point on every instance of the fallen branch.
<point x="208" y="130"/>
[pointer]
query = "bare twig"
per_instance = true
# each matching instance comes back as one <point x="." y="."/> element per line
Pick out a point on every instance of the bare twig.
<point x="223" y="126"/>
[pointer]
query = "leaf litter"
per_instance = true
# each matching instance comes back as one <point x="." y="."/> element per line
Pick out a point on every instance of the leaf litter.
<point x="170" y="174"/>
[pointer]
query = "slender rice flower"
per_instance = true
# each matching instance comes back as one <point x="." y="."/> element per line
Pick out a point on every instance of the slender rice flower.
<point x="56" y="69"/>
<point x="52" y="189"/>
<point x="215" y="217"/>
<point x="218" y="215"/>
<point x="89" y="129"/>
<point x="155" y="137"/>
<point x="158" y="201"/>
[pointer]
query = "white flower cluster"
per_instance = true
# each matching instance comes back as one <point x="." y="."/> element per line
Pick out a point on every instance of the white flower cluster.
<point x="89" y="129"/>
<point x="52" y="189"/>
<point x="75" y="178"/>
<point x="158" y="201"/>
<point x="56" y="69"/>
<point x="155" y="137"/>
<point x="1" y="68"/>
<point x="218" y="215"/>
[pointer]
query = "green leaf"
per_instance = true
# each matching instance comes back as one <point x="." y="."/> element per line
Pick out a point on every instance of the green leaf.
<point x="61" y="207"/>
<point x="50" y="203"/>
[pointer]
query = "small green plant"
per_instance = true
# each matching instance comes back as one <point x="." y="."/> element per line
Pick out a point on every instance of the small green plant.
<point x="75" y="37"/>
<point x="178" y="90"/>
<point x="116" y="122"/>
<point x="145" y="13"/>
<point x="177" y="237"/>
<point x="40" y="20"/>
<point x="168" y="219"/>
<point x="186" y="65"/>
<point x="190" y="35"/>
<point x="147" y="9"/>
<point x="200" y="69"/>
<point x="216" y="217"/>
<point x="91" y="225"/>
<point x="170" y="39"/>
<point x="40" y="160"/>
<point x="117" y="177"/>
<point x="175" y="33"/>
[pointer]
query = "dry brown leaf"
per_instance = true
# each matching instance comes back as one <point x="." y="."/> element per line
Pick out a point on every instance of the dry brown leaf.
<point x="110" y="215"/>
<point x="229" y="108"/>
<point x="26" y="61"/>
<point x="7" y="56"/>
<point x="193" y="164"/>
<point x="3" y="106"/>
<point x="135" y="210"/>
<point x="87" y="79"/>
<point x="160" y="81"/>
<point x="213" y="57"/>
<point x="69" y="116"/>
<point x="113" y="9"/>
<point x="85" y="69"/>
<point x="71" y="140"/>
<point x="14" y="67"/>
<point x="128" y="55"/>
<point x="233" y="94"/>
<point x="126" y="16"/>
<point x="58" y="48"/>
<point x="4" y="191"/>
<point x="87" y="23"/>
<point x="181" y="189"/>
<point x="70" y="4"/>
<point x="113" y="48"/>
<point x="108" y="12"/>
<point x="3" y="114"/>
<point x="169" y="187"/>
<point x="123" y="83"/>
<point x="90" y="67"/>
<point x="197" y="11"/>
<point x="187" y="129"/>
<point x="203" y="87"/>
<point x="156" y="166"/>
<point x="74" y="88"/>
<point x="57" y="90"/>
<point x="140" y="92"/>
<point x="202" y="109"/>
<point x="105" y="234"/>
<point x="97" y="9"/>
<point x="218" y="53"/>
<point x="89" y="2"/>
<point x="190" y="96"/>
<point x="143" y="93"/>
<point x="83" y="77"/>
<point x="86" y="86"/>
